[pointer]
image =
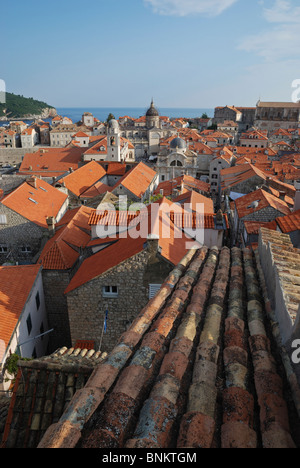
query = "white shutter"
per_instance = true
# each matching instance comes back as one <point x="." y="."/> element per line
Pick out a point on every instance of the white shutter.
<point x="153" y="290"/>
<point x="3" y="219"/>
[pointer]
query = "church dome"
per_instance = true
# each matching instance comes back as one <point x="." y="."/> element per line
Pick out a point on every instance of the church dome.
<point x="152" y="111"/>
<point x="178" y="143"/>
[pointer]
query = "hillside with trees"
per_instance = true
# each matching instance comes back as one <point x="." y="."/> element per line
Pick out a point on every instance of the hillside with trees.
<point x="17" y="106"/>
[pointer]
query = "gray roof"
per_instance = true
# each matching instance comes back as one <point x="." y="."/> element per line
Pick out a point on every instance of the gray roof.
<point x="178" y="143"/>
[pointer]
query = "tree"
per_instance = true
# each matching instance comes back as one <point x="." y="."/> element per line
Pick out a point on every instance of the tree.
<point x="110" y="117"/>
<point x="204" y="116"/>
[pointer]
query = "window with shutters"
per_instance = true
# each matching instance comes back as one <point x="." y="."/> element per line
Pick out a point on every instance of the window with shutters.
<point x="153" y="290"/>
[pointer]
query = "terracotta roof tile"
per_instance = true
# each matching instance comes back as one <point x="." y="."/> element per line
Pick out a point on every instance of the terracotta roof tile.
<point x="137" y="180"/>
<point x="84" y="178"/>
<point x="51" y="162"/>
<point x="188" y="182"/>
<point x="63" y="250"/>
<point x="185" y="375"/>
<point x="16" y="284"/>
<point x="193" y="198"/>
<point x="43" y="389"/>
<point x="36" y="201"/>
<point x="244" y="204"/>
<point x="289" y="223"/>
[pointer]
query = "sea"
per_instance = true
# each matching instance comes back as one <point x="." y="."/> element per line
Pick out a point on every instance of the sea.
<point x="101" y="113"/>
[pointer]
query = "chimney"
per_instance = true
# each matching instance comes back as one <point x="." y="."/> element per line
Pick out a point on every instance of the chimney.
<point x="153" y="245"/>
<point x="32" y="181"/>
<point x="297" y="195"/>
<point x="51" y="225"/>
<point x="219" y="219"/>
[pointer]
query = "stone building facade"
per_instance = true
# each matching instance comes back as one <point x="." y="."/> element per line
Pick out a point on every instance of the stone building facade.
<point x="55" y="283"/>
<point x="275" y="115"/>
<point x="146" y="136"/>
<point x="178" y="160"/>
<point x="243" y="116"/>
<point x="130" y="279"/>
<point x="20" y="239"/>
<point x="264" y="215"/>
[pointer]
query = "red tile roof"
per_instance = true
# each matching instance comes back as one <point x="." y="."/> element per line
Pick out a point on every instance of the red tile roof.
<point x="264" y="199"/>
<point x="235" y="175"/>
<point x="188" y="182"/>
<point x="62" y="251"/>
<point x="16" y="284"/>
<point x="83" y="178"/>
<point x="252" y="227"/>
<point x="173" y="244"/>
<point x="51" y="162"/>
<point x="36" y="204"/>
<point x="115" y="168"/>
<point x="193" y="198"/>
<point x="137" y="180"/>
<point x="289" y="223"/>
<point x="104" y="260"/>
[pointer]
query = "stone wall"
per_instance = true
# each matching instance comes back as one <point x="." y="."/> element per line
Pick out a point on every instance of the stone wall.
<point x="247" y="186"/>
<point x="19" y="232"/>
<point x="265" y="215"/>
<point x="55" y="283"/>
<point x="280" y="264"/>
<point x="9" y="182"/>
<point x="87" y="304"/>
<point x="14" y="155"/>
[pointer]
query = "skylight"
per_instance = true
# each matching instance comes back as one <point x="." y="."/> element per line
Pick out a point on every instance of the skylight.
<point x="32" y="200"/>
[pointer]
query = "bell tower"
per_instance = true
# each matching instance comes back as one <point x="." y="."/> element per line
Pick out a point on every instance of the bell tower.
<point x="113" y="141"/>
<point x="152" y="116"/>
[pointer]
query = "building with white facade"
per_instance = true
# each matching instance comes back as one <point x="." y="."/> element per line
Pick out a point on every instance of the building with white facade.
<point x="23" y="319"/>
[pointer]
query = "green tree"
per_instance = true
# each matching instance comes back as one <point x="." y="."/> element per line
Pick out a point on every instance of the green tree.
<point x="110" y="117"/>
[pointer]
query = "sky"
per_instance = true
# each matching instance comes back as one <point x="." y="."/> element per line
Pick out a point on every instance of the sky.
<point x="123" y="53"/>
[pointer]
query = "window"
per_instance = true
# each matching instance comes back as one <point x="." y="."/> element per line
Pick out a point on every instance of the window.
<point x="26" y="249"/>
<point x="3" y="219"/>
<point x="3" y="249"/>
<point x="153" y="290"/>
<point x="29" y="324"/>
<point x="37" y="300"/>
<point x="110" y="291"/>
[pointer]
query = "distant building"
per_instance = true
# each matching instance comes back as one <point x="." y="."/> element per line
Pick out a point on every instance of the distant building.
<point x="29" y="138"/>
<point x="242" y="116"/>
<point x="274" y="115"/>
<point x="11" y="139"/>
<point x="112" y="147"/>
<point x="62" y="134"/>
<point x="145" y="133"/>
<point x="254" y="138"/>
<point x="181" y="157"/>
